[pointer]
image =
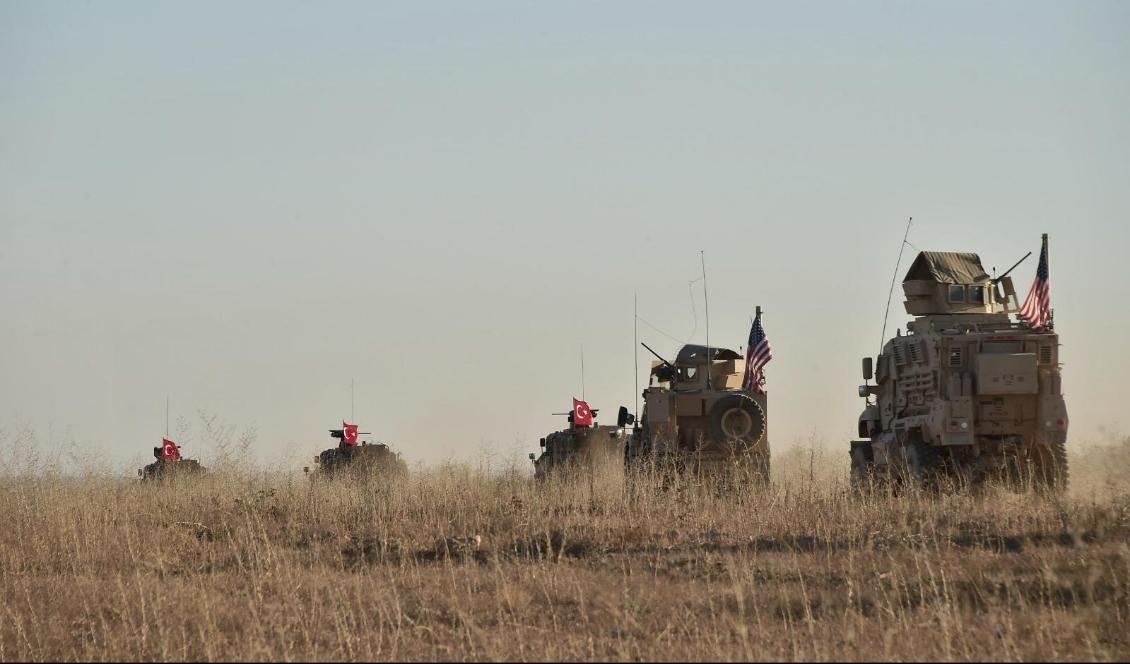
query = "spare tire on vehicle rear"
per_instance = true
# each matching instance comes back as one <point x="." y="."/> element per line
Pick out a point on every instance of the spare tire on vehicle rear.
<point x="738" y="420"/>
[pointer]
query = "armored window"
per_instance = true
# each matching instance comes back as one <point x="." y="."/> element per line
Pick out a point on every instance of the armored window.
<point x="977" y="295"/>
<point x="955" y="356"/>
<point x="957" y="293"/>
<point x="688" y="373"/>
<point x="1045" y="355"/>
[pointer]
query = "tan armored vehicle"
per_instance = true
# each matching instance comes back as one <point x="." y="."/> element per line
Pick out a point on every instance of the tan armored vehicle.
<point x="357" y="457"/>
<point x="697" y="417"/>
<point x="169" y="464"/>
<point x="582" y="448"/>
<point x="968" y="393"/>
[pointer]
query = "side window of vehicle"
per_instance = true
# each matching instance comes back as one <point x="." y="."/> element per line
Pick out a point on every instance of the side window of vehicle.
<point x="977" y="294"/>
<point x="956" y="293"/>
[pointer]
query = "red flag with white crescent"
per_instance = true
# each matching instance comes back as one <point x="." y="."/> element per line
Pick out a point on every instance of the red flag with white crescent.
<point x="350" y="437"/>
<point x="582" y="414"/>
<point x="172" y="451"/>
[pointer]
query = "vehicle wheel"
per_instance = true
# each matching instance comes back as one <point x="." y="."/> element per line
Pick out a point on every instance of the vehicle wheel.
<point x="862" y="463"/>
<point x="1049" y="467"/>
<point x="759" y="468"/>
<point x="922" y="465"/>
<point x="738" y="420"/>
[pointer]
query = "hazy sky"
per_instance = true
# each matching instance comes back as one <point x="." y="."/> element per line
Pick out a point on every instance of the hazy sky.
<point x="245" y="205"/>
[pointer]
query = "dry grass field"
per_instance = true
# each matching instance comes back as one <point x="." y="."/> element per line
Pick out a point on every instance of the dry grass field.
<point x="276" y="567"/>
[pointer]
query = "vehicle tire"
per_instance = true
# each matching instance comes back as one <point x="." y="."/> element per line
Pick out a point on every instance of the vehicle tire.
<point x="862" y="464"/>
<point x="1049" y="467"/>
<point x="758" y="467"/>
<point x="922" y="465"/>
<point x="738" y="420"/>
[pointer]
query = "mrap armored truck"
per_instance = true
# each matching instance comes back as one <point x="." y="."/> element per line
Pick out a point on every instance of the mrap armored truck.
<point x="696" y="416"/>
<point x="968" y="393"/>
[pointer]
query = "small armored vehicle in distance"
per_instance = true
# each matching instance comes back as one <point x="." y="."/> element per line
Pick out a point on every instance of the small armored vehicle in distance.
<point x="697" y="417"/>
<point x="582" y="448"/>
<point x="967" y="393"/>
<point x="360" y="457"/>
<point x="169" y="463"/>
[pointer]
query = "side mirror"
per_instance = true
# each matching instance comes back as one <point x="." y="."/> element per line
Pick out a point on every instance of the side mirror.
<point x="624" y="418"/>
<point x="542" y="442"/>
<point x="868" y="369"/>
<point x="140" y="472"/>
<point x="531" y="456"/>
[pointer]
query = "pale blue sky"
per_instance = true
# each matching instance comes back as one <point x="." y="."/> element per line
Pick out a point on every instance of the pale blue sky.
<point x="244" y="205"/>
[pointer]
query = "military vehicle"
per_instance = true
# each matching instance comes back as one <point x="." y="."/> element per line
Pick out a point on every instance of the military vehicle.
<point x="169" y="463"/>
<point x="696" y="416"/>
<point x="351" y="456"/>
<point x="582" y="448"/>
<point x="967" y="393"/>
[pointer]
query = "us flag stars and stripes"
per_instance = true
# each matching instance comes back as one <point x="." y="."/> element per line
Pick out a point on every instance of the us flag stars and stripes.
<point x="1036" y="310"/>
<point x="757" y="355"/>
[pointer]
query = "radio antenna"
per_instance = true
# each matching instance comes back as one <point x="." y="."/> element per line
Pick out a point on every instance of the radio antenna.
<point x="352" y="401"/>
<point x="887" y="312"/>
<point x="636" y="349"/>
<point x="166" y="416"/>
<point x="706" y="304"/>
<point x="582" y="372"/>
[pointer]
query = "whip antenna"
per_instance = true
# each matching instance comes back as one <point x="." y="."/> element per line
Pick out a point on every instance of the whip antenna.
<point x="706" y="305"/>
<point x="883" y="336"/>
<point x="582" y="372"/>
<point x="636" y="348"/>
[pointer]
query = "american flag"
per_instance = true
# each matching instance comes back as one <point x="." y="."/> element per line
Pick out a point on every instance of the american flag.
<point x="757" y="355"/>
<point x="1036" y="310"/>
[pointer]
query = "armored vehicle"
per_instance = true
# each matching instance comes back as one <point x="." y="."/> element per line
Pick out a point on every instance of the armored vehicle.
<point x="581" y="448"/>
<point x="967" y="393"/>
<point x="363" y="457"/>
<point x="697" y="417"/>
<point x="169" y="463"/>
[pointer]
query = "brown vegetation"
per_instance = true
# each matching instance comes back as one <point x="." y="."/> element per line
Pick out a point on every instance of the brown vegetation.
<point x="236" y="567"/>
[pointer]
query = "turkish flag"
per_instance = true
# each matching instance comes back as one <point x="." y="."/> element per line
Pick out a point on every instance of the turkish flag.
<point x="350" y="433"/>
<point x="172" y="452"/>
<point x="582" y="414"/>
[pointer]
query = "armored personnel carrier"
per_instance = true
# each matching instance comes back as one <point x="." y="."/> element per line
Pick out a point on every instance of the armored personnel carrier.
<point x="697" y="417"/>
<point x="169" y="463"/>
<point x="968" y="392"/>
<point x="582" y="448"/>
<point x="355" y="456"/>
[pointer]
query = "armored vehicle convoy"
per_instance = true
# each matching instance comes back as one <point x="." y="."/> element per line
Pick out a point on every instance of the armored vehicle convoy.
<point x="967" y="393"/>
<point x="584" y="446"/>
<point x="169" y="463"/>
<point x="357" y="456"/>
<point x="697" y="416"/>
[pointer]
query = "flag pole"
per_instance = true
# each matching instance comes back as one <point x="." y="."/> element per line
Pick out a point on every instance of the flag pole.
<point x="352" y="401"/>
<point x="166" y="416"/>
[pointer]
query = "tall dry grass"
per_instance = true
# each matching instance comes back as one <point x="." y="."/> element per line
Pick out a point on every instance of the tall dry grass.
<point x="271" y="566"/>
